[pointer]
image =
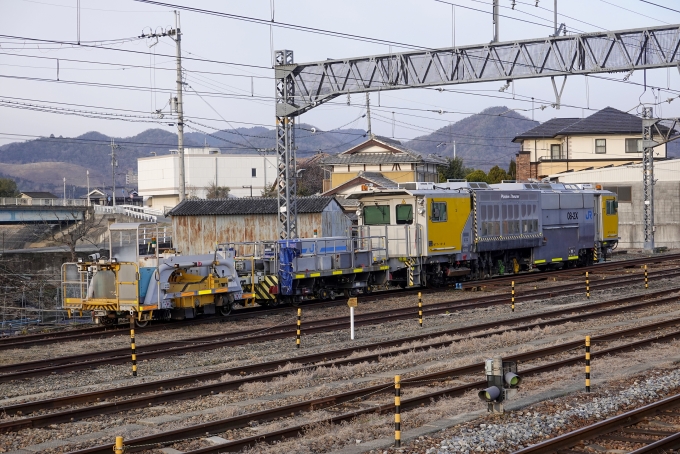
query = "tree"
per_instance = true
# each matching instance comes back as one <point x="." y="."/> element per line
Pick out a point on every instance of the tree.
<point x="216" y="192"/>
<point x="512" y="170"/>
<point x="310" y="179"/>
<point x="496" y="175"/>
<point x="70" y="231"/>
<point x="476" y="175"/>
<point x="269" y="190"/>
<point x="8" y="188"/>
<point x="454" y="170"/>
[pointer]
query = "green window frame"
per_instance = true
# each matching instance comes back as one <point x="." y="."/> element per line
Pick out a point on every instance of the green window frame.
<point x="439" y="213"/>
<point x="377" y="215"/>
<point x="404" y="213"/>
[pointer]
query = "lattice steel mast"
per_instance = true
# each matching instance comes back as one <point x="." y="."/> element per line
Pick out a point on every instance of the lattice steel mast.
<point x="286" y="183"/>
<point x="301" y="87"/>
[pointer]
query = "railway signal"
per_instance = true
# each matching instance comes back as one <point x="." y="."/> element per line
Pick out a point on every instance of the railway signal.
<point x="502" y="383"/>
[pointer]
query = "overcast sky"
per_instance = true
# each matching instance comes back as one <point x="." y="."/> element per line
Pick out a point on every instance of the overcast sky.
<point x="227" y="92"/>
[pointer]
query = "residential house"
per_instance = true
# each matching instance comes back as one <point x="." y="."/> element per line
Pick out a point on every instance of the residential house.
<point x="37" y="195"/>
<point x="607" y="137"/>
<point x="379" y="155"/>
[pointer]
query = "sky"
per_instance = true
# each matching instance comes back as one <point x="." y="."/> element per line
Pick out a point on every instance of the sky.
<point x="228" y="72"/>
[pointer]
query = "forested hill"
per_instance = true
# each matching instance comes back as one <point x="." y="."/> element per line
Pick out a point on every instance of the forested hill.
<point x="482" y="140"/>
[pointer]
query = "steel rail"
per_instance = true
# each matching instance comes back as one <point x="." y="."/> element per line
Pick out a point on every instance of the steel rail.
<point x="119" y="356"/>
<point x="101" y="332"/>
<point x="114" y="407"/>
<point x="219" y="426"/>
<point x="609" y="425"/>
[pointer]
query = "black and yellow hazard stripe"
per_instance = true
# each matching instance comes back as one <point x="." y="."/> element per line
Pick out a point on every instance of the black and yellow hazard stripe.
<point x="262" y="288"/>
<point x="132" y="345"/>
<point x="397" y="411"/>
<point x="587" y="364"/>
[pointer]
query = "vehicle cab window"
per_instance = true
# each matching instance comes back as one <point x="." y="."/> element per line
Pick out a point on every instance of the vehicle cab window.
<point x="404" y="213"/>
<point x="439" y="213"/>
<point x="376" y="215"/>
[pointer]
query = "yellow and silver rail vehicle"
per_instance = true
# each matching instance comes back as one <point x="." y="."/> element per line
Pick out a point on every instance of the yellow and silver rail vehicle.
<point x="147" y="281"/>
<point x="443" y="233"/>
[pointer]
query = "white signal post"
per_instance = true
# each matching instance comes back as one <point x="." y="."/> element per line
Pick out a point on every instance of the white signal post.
<point x="352" y="303"/>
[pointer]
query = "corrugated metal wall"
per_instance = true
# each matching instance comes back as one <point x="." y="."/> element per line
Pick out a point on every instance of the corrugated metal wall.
<point x="200" y="234"/>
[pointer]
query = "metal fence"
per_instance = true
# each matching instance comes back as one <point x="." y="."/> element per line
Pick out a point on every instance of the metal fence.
<point x="137" y="212"/>
<point x="18" y="201"/>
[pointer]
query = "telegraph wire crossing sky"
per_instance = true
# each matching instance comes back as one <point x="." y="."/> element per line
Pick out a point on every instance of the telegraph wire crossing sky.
<point x="119" y="84"/>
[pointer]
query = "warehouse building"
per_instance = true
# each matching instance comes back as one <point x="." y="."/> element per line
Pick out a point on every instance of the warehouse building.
<point x="199" y="225"/>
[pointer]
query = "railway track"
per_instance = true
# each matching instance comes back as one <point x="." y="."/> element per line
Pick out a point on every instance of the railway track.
<point x="340" y="404"/>
<point x="631" y="428"/>
<point x="102" y="332"/>
<point x="272" y="370"/>
<point x="118" y="356"/>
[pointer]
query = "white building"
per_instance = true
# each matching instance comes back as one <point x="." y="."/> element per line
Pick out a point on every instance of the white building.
<point x="243" y="174"/>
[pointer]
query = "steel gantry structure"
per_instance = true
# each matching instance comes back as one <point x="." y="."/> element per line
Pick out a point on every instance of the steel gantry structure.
<point x="302" y="86"/>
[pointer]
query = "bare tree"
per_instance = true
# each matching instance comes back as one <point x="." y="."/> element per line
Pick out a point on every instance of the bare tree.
<point x="192" y="192"/>
<point x="70" y="231"/>
<point x="213" y="191"/>
<point x="269" y="190"/>
<point x="310" y="181"/>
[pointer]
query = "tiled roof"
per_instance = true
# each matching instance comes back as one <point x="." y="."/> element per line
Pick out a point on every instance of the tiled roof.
<point x="378" y="179"/>
<point x="39" y="195"/>
<point x="400" y="154"/>
<point x="605" y="121"/>
<point x="248" y="205"/>
<point x="546" y="130"/>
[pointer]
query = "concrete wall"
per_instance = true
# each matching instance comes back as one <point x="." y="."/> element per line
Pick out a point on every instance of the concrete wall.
<point x="666" y="216"/>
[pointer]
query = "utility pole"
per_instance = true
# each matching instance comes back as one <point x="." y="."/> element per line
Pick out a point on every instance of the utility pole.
<point x="496" y="31"/>
<point x="648" y="175"/>
<point x="114" y="164"/>
<point x="368" y="115"/>
<point x="555" y="14"/>
<point x="180" y="107"/>
<point x="176" y="35"/>
<point x="88" y="188"/>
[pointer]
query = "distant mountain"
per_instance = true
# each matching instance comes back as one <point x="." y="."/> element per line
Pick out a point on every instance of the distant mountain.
<point x="482" y="140"/>
<point x="41" y="164"/>
<point x="308" y="138"/>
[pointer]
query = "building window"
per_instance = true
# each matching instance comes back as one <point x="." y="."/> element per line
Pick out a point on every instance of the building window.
<point x="555" y="151"/>
<point x="633" y="145"/>
<point x="253" y="172"/>
<point x="404" y="213"/>
<point x="600" y="146"/>
<point x="439" y="212"/>
<point x="377" y="215"/>
<point x="624" y="193"/>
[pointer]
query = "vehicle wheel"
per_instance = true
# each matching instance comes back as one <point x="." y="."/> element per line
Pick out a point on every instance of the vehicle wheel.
<point x="141" y="323"/>
<point x="225" y="307"/>
<point x="367" y="290"/>
<point x="274" y="303"/>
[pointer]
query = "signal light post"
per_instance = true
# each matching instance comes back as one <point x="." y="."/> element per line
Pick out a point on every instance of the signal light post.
<point x="502" y="381"/>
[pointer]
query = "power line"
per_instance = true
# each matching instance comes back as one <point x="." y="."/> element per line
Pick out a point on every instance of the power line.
<point x="125" y="66"/>
<point x="76" y="45"/>
<point x="635" y="12"/>
<point x="661" y="6"/>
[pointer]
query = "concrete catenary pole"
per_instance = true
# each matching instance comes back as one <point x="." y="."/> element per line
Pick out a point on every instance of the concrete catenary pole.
<point x="180" y="110"/>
